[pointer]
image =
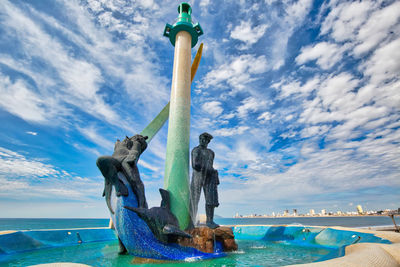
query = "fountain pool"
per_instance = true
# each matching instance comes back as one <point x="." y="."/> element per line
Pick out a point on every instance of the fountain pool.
<point x="260" y="245"/>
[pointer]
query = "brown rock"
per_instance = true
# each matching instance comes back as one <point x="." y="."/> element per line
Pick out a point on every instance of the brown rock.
<point x="209" y="246"/>
<point x="230" y="245"/>
<point x="208" y="233"/>
<point x="203" y="239"/>
<point x="224" y="232"/>
<point x="200" y="243"/>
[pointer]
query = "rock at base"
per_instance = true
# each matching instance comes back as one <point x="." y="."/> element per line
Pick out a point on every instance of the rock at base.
<point x="203" y="239"/>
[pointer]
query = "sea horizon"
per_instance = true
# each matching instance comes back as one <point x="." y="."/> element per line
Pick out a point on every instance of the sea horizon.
<point x="216" y="216"/>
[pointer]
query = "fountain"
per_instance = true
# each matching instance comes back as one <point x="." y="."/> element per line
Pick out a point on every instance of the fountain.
<point x="167" y="232"/>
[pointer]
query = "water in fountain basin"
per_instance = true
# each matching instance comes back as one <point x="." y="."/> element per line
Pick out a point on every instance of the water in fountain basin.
<point x="250" y="253"/>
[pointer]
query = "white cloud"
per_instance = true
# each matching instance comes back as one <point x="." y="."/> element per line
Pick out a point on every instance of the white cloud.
<point x="213" y="108"/>
<point x="265" y="117"/>
<point x="150" y="166"/>
<point x="248" y="33"/>
<point x="20" y="101"/>
<point x="81" y="79"/>
<point x="363" y="24"/>
<point x="76" y="79"/>
<point x="231" y="131"/>
<point x="317" y="130"/>
<point x="32" y="133"/>
<point x="287" y="87"/>
<point x="92" y="134"/>
<point x="384" y="64"/>
<point x="25" y="178"/>
<point x="15" y="164"/>
<point x="237" y="73"/>
<point x="328" y="171"/>
<point x="204" y="5"/>
<point x="326" y="54"/>
<point x="377" y="28"/>
<point x="250" y="104"/>
<point x="345" y="19"/>
<point x="334" y="100"/>
<point x="294" y="15"/>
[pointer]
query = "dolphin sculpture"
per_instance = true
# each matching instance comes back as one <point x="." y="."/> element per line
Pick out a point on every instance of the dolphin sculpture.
<point x="161" y="221"/>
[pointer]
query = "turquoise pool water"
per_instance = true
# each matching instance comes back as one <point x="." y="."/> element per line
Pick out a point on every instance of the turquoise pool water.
<point x="262" y="245"/>
<point x="250" y="253"/>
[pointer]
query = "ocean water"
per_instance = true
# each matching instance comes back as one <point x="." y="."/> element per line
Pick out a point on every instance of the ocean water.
<point x="47" y="223"/>
<point x="356" y="221"/>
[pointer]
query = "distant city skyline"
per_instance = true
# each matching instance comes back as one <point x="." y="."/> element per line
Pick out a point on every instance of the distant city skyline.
<point x="323" y="212"/>
<point x="301" y="96"/>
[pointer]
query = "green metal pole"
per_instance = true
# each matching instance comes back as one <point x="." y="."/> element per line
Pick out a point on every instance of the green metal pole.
<point x="183" y="35"/>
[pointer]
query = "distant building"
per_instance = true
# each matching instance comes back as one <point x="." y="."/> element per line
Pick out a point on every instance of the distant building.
<point x="359" y="209"/>
<point x="286" y="213"/>
<point x="312" y="212"/>
<point x="294" y="212"/>
<point x="323" y="212"/>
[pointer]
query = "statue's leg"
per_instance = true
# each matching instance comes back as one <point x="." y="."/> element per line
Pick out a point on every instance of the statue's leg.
<point x="109" y="167"/>
<point x="210" y="217"/>
<point x="211" y="203"/>
<point x="195" y="191"/>
<point x="132" y="174"/>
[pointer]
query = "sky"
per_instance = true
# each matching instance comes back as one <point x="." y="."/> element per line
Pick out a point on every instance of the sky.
<point x="302" y="98"/>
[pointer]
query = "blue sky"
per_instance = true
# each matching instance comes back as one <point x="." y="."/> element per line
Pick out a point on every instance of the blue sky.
<point x="302" y="97"/>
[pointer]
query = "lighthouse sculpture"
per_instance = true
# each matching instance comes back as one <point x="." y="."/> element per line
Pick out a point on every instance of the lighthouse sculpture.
<point x="183" y="35"/>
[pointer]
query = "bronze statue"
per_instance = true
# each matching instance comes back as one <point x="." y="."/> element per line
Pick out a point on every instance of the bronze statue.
<point x="124" y="159"/>
<point x="206" y="177"/>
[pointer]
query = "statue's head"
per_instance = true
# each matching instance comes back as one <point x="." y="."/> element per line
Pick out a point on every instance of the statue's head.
<point x="139" y="142"/>
<point x="204" y="139"/>
<point x="136" y="142"/>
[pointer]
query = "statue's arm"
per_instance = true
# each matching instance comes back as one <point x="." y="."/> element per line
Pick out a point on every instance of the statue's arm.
<point x="133" y="156"/>
<point x="210" y="163"/>
<point x="196" y="159"/>
<point x="216" y="177"/>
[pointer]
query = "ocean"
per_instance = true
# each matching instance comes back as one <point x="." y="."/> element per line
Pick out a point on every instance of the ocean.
<point x="48" y="223"/>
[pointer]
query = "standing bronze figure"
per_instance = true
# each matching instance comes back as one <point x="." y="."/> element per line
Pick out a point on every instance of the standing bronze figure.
<point x="206" y="177"/>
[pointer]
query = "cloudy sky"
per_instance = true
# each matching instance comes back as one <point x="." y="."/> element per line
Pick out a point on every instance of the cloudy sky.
<point x="302" y="97"/>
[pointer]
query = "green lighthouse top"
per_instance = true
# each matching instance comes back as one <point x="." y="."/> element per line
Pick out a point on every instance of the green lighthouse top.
<point x="184" y="23"/>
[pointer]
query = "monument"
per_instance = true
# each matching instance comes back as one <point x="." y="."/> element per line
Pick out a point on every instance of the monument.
<point x="165" y="232"/>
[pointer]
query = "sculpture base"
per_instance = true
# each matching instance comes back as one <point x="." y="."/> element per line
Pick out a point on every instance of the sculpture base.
<point x="210" y="240"/>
